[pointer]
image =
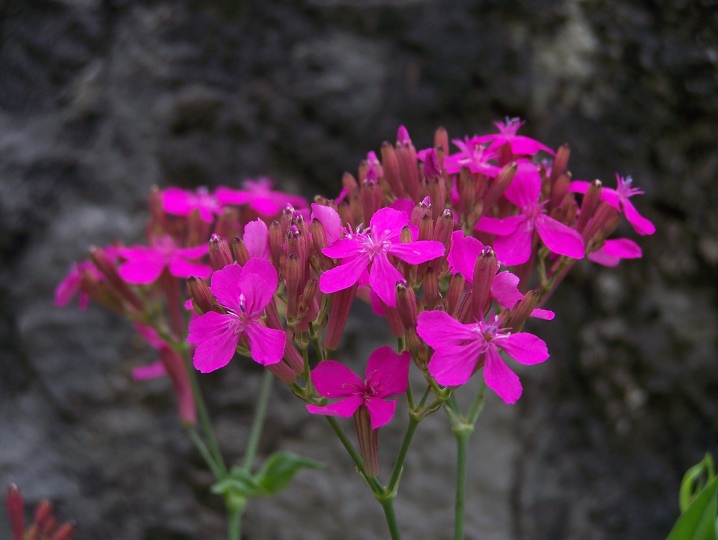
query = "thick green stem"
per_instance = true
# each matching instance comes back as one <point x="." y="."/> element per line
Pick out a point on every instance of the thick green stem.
<point x="234" y="523"/>
<point x="260" y="413"/>
<point x="462" y="445"/>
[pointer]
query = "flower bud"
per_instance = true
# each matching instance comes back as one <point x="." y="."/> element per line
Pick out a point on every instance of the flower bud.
<point x="423" y="208"/>
<point x="227" y="223"/>
<point x="521" y="311"/>
<point x="605" y="220"/>
<point x="283" y="372"/>
<point x="66" y="532"/>
<point x="467" y="189"/>
<point x="368" y="441"/>
<point x="371" y="197"/>
<point x="239" y="251"/>
<point x="43" y="512"/>
<point x="499" y="184"/>
<point x="108" y="269"/>
<point x="426" y="228"/>
<point x="431" y="289"/>
<point x="441" y="144"/>
<point x="444" y="228"/>
<point x="589" y="204"/>
<point x="406" y="304"/>
<point x="338" y="316"/>
<point x="484" y="272"/>
<point x="390" y="165"/>
<point x="219" y="253"/>
<point x="560" y="162"/>
<point x="408" y="170"/>
<point x="202" y="299"/>
<point x="559" y="188"/>
<point x="174" y="366"/>
<point x="16" y="511"/>
<point x="417" y="347"/>
<point x="436" y="189"/>
<point x="293" y="278"/>
<point x="197" y="228"/>
<point x="275" y="242"/>
<point x="456" y="289"/>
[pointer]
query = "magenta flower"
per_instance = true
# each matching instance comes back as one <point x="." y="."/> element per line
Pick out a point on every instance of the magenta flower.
<point x="613" y="251"/>
<point x="182" y="202"/>
<point x="72" y="285"/>
<point x="519" y="144"/>
<point x="260" y="197"/>
<point x="244" y="293"/>
<point x="386" y="376"/>
<point x="458" y="348"/>
<point x="515" y="234"/>
<point x="370" y="247"/>
<point x="474" y="156"/>
<point x="144" y="264"/>
<point x="619" y="199"/>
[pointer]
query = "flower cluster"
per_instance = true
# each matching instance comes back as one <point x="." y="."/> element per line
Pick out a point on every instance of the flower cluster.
<point x="44" y="526"/>
<point x="455" y="250"/>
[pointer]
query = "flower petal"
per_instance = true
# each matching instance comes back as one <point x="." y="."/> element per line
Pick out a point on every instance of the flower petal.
<point x="505" y="289"/>
<point x="500" y="378"/>
<point x="345" y="275"/>
<point x="225" y="286"/>
<point x="388" y="372"/>
<point x="560" y="238"/>
<point x="515" y="248"/>
<point x="217" y="341"/>
<point x="344" y="408"/>
<point x="181" y="268"/>
<point x="256" y="238"/>
<point x="142" y="269"/>
<point x="523" y="347"/>
<point x="265" y="344"/>
<point x="334" y="380"/>
<point x="380" y="411"/>
<point x="383" y="278"/>
<point x="417" y="252"/>
<point x="640" y="224"/>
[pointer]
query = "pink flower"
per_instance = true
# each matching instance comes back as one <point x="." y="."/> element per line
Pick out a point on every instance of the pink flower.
<point x="515" y="234"/>
<point x="520" y="145"/>
<point x="370" y="247"/>
<point x="614" y="250"/>
<point x="458" y="348"/>
<point x="386" y="376"/>
<point x="472" y="155"/>
<point x="181" y="202"/>
<point x="144" y="264"/>
<point x="72" y="285"/>
<point x="260" y="197"/>
<point x="244" y="293"/>
<point x="619" y="199"/>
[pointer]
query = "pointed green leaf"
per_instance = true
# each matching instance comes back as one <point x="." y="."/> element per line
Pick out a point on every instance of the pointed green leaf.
<point x="239" y="482"/>
<point x="698" y="521"/>
<point x="280" y="468"/>
<point x="695" y="480"/>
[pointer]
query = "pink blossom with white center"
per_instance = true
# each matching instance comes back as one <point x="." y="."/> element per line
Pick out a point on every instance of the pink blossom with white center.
<point x="474" y="156"/>
<point x="260" y="197"/>
<point x="181" y="202"/>
<point x="619" y="199"/>
<point x="613" y="251"/>
<point x="519" y="144"/>
<point x="386" y="376"/>
<point x="144" y="264"/>
<point x="244" y="292"/>
<point x="370" y="247"/>
<point x="514" y="239"/>
<point x="458" y="349"/>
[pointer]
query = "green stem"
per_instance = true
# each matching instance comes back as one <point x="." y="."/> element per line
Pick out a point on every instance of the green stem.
<point x="234" y="522"/>
<point x="205" y="453"/>
<point x="203" y="416"/>
<point x="462" y="445"/>
<point x="477" y="405"/>
<point x="399" y="464"/>
<point x="260" y="414"/>
<point x="356" y="458"/>
<point x="388" y="505"/>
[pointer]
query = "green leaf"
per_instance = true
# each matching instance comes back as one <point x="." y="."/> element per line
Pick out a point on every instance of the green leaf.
<point x="276" y="473"/>
<point x="239" y="482"/>
<point x="695" y="480"/>
<point x="698" y="521"/>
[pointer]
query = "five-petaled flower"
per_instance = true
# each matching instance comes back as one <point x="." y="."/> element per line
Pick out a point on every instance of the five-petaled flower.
<point x="459" y="349"/>
<point x="371" y="246"/>
<point x="386" y="376"/>
<point x="144" y="264"/>
<point x="244" y="292"/>
<point x="520" y="145"/>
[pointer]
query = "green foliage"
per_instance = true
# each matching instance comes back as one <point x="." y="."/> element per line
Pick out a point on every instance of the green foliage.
<point x="272" y="477"/>
<point x="699" y="504"/>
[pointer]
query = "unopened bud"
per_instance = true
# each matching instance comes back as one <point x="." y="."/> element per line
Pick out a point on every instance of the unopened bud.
<point x="275" y="241"/>
<point x="43" y="512"/>
<point x="197" y="228"/>
<point x="394" y="319"/>
<point x="16" y="511"/>
<point x="219" y="253"/>
<point x="240" y="251"/>
<point x="426" y="228"/>
<point x="431" y="289"/>
<point x="484" y="272"/>
<point x="108" y="269"/>
<point x="441" y="144"/>
<point x="293" y="278"/>
<point x="431" y="167"/>
<point x="202" y="299"/>
<point x="371" y="198"/>
<point x="406" y="236"/>
<point x="423" y="208"/>
<point x="368" y="441"/>
<point x="444" y="228"/>
<point x="406" y="304"/>
<point x="522" y="310"/>
<point x="605" y="220"/>
<point x="65" y="532"/>
<point x="589" y="204"/>
<point x="227" y="222"/>
<point x="338" y="316"/>
<point x="560" y="162"/>
<point x="436" y="188"/>
<point x="456" y="289"/>
<point x="283" y="372"/>
<point x="499" y="184"/>
<point x="408" y="169"/>
<point x="390" y="165"/>
<point x="559" y="188"/>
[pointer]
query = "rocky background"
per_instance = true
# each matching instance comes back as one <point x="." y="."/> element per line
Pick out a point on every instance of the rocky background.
<point x="100" y="99"/>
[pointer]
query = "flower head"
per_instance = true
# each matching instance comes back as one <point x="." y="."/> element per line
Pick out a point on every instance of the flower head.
<point x="370" y="247"/>
<point x="519" y="144"/>
<point x="144" y="264"/>
<point x="459" y="349"/>
<point x="244" y="293"/>
<point x="260" y="197"/>
<point x="182" y="202"/>
<point x="386" y="376"/>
